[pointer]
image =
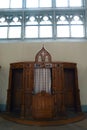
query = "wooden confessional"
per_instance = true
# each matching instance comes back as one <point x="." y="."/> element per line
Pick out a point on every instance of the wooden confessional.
<point x="43" y="89"/>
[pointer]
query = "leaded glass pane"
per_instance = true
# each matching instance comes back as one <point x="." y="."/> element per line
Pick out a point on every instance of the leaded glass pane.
<point x="31" y="31"/>
<point x="77" y="31"/>
<point x="32" y="4"/>
<point x="16" y="4"/>
<point x="75" y="3"/>
<point x="46" y="31"/>
<point x="4" y="3"/>
<point x="61" y="3"/>
<point x="14" y="32"/>
<point x="3" y="32"/>
<point x="45" y="3"/>
<point x="62" y="31"/>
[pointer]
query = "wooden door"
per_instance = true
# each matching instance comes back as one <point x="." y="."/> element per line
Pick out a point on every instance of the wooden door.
<point x="70" y="87"/>
<point x="16" y="90"/>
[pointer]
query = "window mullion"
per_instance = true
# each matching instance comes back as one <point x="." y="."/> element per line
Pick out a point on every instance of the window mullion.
<point x="9" y="3"/>
<point x="23" y="26"/>
<point x="54" y="25"/>
<point x="68" y="3"/>
<point x="39" y="3"/>
<point x="69" y="28"/>
<point x="85" y="18"/>
<point x="83" y="3"/>
<point x="39" y="27"/>
<point x="53" y="3"/>
<point x="23" y="4"/>
<point x="8" y="31"/>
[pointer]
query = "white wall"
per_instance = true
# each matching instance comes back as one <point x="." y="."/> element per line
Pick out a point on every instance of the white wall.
<point x="60" y="51"/>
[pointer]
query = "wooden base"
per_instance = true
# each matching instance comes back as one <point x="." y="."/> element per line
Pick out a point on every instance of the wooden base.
<point x="69" y="119"/>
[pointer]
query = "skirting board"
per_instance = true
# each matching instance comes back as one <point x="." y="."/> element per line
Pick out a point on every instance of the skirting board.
<point x="3" y="108"/>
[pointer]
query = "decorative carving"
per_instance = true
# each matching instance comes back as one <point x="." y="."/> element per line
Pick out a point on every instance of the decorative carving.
<point x="43" y="56"/>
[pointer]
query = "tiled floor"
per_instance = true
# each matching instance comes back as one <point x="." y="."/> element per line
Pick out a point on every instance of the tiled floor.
<point x="8" y="125"/>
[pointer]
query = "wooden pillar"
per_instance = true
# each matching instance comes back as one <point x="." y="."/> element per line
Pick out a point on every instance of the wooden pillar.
<point x="28" y="89"/>
<point x="8" y="104"/>
<point x="58" y="89"/>
<point x="77" y="93"/>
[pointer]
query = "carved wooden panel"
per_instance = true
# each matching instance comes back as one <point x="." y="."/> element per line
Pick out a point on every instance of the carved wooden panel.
<point x="43" y="106"/>
<point x="43" y="56"/>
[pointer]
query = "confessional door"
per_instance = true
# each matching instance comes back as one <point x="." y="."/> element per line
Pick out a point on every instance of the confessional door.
<point x="70" y="89"/>
<point x="16" y="90"/>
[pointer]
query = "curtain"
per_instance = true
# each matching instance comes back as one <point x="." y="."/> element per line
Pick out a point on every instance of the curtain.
<point x="42" y="80"/>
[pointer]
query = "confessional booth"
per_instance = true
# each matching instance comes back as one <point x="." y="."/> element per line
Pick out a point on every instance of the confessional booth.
<point x="43" y="90"/>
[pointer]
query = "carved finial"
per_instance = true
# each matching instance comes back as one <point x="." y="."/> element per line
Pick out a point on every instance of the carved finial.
<point x="43" y="46"/>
